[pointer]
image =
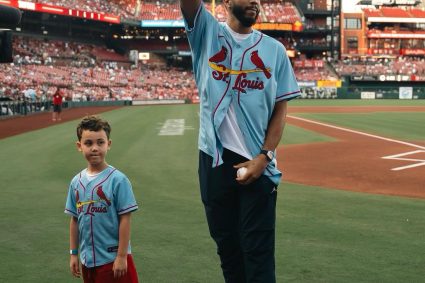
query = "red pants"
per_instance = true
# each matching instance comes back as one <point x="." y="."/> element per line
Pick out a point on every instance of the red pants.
<point x="104" y="273"/>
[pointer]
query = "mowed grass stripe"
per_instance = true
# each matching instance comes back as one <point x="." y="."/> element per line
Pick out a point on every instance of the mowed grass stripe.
<point x="339" y="236"/>
<point x="399" y="125"/>
<point x="322" y="235"/>
<point x="296" y="135"/>
<point x="356" y="102"/>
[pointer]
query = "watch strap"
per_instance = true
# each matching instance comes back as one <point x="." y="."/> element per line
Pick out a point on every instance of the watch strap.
<point x="268" y="153"/>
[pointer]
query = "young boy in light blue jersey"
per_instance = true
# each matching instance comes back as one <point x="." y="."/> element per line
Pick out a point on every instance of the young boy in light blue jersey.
<point x="100" y="201"/>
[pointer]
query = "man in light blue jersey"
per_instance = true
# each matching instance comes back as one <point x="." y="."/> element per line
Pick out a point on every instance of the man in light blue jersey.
<point x="244" y="79"/>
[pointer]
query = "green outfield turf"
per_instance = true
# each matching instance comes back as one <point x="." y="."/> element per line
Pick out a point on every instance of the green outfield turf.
<point x="296" y="135"/>
<point x="400" y="125"/>
<point x="322" y="235"/>
<point x="357" y="102"/>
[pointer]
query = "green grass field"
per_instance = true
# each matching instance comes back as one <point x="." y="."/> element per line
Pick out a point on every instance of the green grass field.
<point x="357" y="102"/>
<point x="322" y="235"/>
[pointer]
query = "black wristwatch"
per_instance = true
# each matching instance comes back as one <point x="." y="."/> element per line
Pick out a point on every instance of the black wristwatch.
<point x="268" y="153"/>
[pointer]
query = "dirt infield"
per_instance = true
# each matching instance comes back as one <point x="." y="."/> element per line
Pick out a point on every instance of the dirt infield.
<point x="356" y="160"/>
<point x="17" y="125"/>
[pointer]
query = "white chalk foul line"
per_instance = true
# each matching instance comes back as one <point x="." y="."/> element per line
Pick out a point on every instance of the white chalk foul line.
<point x="420" y="162"/>
<point x="358" y="132"/>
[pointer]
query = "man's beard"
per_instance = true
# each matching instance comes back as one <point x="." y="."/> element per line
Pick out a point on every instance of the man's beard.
<point x="240" y="13"/>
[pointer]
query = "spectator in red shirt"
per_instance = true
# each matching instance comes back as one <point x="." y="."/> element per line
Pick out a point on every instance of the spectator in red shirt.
<point x="57" y="105"/>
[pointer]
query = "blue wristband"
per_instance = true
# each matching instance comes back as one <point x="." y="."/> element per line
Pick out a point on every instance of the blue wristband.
<point x="73" y="252"/>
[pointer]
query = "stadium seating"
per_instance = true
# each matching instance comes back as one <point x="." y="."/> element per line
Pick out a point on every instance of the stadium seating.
<point x="394" y="12"/>
<point x="313" y="70"/>
<point x="123" y="8"/>
<point x="274" y="11"/>
<point x="372" y="12"/>
<point x="160" y="11"/>
<point x="280" y="12"/>
<point x="95" y="74"/>
<point x="381" y="66"/>
<point x="98" y="83"/>
<point x="417" y="13"/>
<point x="103" y="54"/>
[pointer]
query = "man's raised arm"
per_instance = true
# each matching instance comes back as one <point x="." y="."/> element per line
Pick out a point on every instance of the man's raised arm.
<point x="189" y="9"/>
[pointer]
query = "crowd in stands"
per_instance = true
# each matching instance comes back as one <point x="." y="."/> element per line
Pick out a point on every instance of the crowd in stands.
<point x="42" y="52"/>
<point x="401" y="65"/>
<point x="310" y="24"/>
<point x="273" y="11"/>
<point x="83" y="74"/>
<point x="160" y="11"/>
<point x="315" y="73"/>
<point x="280" y="12"/>
<point x="88" y="72"/>
<point x="312" y="42"/>
<point x="123" y="8"/>
<point x="89" y="84"/>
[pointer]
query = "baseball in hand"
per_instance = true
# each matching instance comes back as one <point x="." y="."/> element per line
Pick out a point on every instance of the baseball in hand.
<point x="241" y="172"/>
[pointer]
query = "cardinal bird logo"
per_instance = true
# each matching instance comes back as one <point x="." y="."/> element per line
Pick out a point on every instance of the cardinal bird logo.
<point x="78" y="202"/>
<point x="102" y="195"/>
<point x="259" y="63"/>
<point x="219" y="57"/>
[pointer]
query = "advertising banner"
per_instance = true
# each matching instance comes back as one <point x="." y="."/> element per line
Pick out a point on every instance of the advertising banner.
<point x="406" y="92"/>
<point x="368" y="95"/>
<point x="162" y="23"/>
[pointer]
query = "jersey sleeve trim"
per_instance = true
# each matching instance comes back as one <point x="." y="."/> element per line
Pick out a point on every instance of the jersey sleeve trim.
<point x="190" y="29"/>
<point x="72" y="213"/>
<point x="288" y="96"/>
<point x="128" y="209"/>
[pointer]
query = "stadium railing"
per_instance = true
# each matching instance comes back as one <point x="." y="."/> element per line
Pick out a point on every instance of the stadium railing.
<point x="19" y="108"/>
<point x="23" y="108"/>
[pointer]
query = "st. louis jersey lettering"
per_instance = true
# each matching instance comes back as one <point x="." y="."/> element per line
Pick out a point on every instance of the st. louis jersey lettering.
<point x="97" y="204"/>
<point x="252" y="75"/>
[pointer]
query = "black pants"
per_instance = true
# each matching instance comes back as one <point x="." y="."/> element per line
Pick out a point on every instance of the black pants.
<point x="241" y="220"/>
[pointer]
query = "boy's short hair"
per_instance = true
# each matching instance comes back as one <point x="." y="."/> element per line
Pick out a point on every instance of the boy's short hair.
<point x="93" y="123"/>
